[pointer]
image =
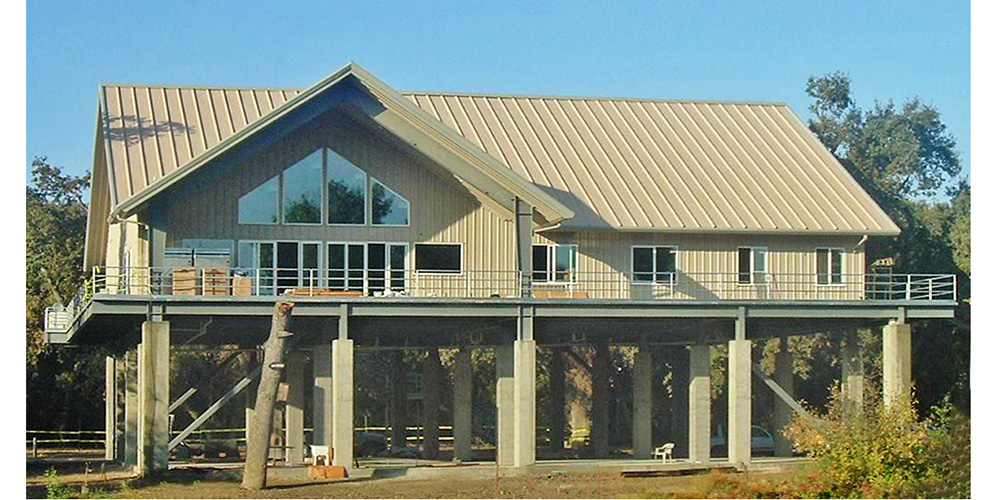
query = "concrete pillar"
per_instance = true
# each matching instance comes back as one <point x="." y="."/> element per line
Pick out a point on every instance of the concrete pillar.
<point x="295" y="407"/>
<point x="120" y="383"/>
<point x="110" y="408"/>
<point x="431" y="391"/>
<point x="322" y="402"/>
<point x="524" y="403"/>
<point x="342" y="396"/>
<point x="785" y="378"/>
<point x="896" y="363"/>
<point x="852" y="375"/>
<point x="600" y="428"/>
<point x="154" y="397"/>
<point x="700" y="404"/>
<point x="462" y="405"/>
<point x="505" y="403"/>
<point x="557" y="399"/>
<point x="131" y="437"/>
<point x="642" y="404"/>
<point x="738" y="439"/>
<point x="399" y="398"/>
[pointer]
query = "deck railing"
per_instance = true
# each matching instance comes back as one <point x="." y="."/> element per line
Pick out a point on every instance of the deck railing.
<point x="679" y="286"/>
<point x="248" y="282"/>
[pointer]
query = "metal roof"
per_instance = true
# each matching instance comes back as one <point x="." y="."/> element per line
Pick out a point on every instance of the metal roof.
<point x="628" y="164"/>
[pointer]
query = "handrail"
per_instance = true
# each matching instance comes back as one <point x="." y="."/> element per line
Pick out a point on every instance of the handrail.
<point x="573" y="284"/>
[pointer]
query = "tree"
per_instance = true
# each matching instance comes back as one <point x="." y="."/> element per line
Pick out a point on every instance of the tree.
<point x="64" y="388"/>
<point x="56" y="231"/>
<point x="903" y="156"/>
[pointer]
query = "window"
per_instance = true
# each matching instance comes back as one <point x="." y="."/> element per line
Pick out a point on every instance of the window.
<point x="829" y="266"/>
<point x="302" y="190"/>
<point x="553" y="263"/>
<point x="654" y="264"/>
<point x="752" y="265"/>
<point x="388" y="208"/>
<point x="385" y="264"/>
<point x="345" y="188"/>
<point x="298" y="194"/>
<point x="438" y="258"/>
<point x="260" y="206"/>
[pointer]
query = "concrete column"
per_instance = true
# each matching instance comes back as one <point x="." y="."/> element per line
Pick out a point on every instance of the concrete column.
<point x="431" y="391"/>
<point x="524" y="403"/>
<point x="852" y="375"/>
<point x="896" y="363"/>
<point x="785" y="378"/>
<point x="110" y="408"/>
<point x="505" y="403"/>
<point x="557" y="399"/>
<point x="738" y="440"/>
<point x="700" y="404"/>
<point x="642" y="404"/>
<point x="322" y="403"/>
<point x="600" y="427"/>
<point x="131" y="437"/>
<point x="120" y="383"/>
<point x="399" y="398"/>
<point x="462" y="405"/>
<point x="154" y="397"/>
<point x="295" y="407"/>
<point x="342" y="395"/>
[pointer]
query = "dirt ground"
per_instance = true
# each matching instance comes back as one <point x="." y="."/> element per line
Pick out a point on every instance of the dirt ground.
<point x="225" y="484"/>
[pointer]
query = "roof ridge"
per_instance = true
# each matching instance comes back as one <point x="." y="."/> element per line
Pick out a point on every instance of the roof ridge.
<point x="198" y="87"/>
<point x="593" y="98"/>
<point x="460" y="94"/>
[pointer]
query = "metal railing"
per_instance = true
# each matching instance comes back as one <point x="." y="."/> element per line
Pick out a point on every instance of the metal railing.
<point x="697" y="286"/>
<point x="250" y="282"/>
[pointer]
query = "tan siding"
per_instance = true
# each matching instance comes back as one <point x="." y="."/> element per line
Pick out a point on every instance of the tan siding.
<point x="708" y="264"/>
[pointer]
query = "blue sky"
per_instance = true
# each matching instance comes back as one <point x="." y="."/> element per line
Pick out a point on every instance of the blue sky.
<point x="761" y="51"/>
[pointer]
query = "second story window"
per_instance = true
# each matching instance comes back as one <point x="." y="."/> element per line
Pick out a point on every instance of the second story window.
<point x="439" y="258"/>
<point x="553" y="263"/>
<point x="830" y="266"/>
<point x="654" y="264"/>
<point x="345" y="188"/>
<point x="260" y="206"/>
<point x="302" y="191"/>
<point x="752" y="265"/>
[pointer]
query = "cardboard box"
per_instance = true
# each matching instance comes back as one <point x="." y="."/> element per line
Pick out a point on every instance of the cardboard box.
<point x="184" y="281"/>
<point x="327" y="471"/>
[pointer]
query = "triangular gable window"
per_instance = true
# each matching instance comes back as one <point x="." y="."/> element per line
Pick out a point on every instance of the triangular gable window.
<point x="351" y="195"/>
<point x="260" y="206"/>
<point x="388" y="207"/>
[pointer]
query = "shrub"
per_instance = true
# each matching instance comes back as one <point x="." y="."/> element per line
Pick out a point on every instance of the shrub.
<point x="54" y="487"/>
<point x="878" y="450"/>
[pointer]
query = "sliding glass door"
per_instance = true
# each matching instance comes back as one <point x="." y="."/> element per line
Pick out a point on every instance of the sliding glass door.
<point x="370" y="268"/>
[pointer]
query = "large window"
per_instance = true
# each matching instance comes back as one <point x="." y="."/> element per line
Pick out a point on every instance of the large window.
<point x="829" y="266"/>
<point x="553" y="263"/>
<point x="438" y="258"/>
<point x="302" y="190"/>
<point x="345" y="187"/>
<point x="752" y="265"/>
<point x="654" y="264"/>
<point x="297" y="196"/>
<point x="260" y="206"/>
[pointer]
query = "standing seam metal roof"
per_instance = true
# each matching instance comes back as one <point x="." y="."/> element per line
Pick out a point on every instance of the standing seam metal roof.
<point x="628" y="164"/>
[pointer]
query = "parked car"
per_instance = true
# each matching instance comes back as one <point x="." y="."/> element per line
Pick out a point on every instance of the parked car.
<point x="370" y="444"/>
<point x="761" y="441"/>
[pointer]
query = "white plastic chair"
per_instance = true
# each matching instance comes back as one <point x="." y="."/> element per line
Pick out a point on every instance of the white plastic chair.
<point x="664" y="452"/>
